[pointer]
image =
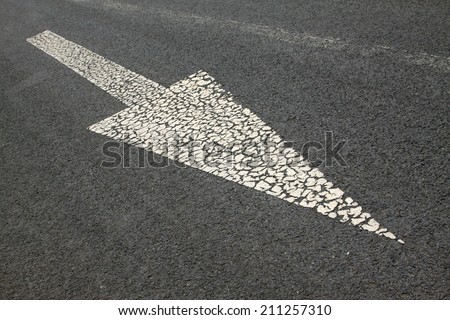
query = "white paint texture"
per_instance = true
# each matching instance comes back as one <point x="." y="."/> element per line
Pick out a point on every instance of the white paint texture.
<point x="195" y="114"/>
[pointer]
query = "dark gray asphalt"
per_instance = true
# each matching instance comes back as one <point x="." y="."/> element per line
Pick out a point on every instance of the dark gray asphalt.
<point x="72" y="229"/>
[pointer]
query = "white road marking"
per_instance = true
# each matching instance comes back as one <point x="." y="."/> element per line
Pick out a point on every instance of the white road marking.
<point x="437" y="62"/>
<point x="197" y="110"/>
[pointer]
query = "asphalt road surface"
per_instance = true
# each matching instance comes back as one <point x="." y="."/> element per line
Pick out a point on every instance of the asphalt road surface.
<point x="375" y="73"/>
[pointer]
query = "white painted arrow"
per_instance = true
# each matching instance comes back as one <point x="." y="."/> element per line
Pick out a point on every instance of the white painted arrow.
<point x="198" y="124"/>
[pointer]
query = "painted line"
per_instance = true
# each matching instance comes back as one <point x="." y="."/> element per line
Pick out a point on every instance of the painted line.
<point x="306" y="39"/>
<point x="197" y="110"/>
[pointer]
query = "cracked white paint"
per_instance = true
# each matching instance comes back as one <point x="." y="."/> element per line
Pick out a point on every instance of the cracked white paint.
<point x="198" y="110"/>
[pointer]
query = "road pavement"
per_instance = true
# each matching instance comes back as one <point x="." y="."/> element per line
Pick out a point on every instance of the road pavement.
<point x="376" y="74"/>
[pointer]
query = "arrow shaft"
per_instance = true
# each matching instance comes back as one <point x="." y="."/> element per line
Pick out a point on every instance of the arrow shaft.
<point x="123" y="84"/>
